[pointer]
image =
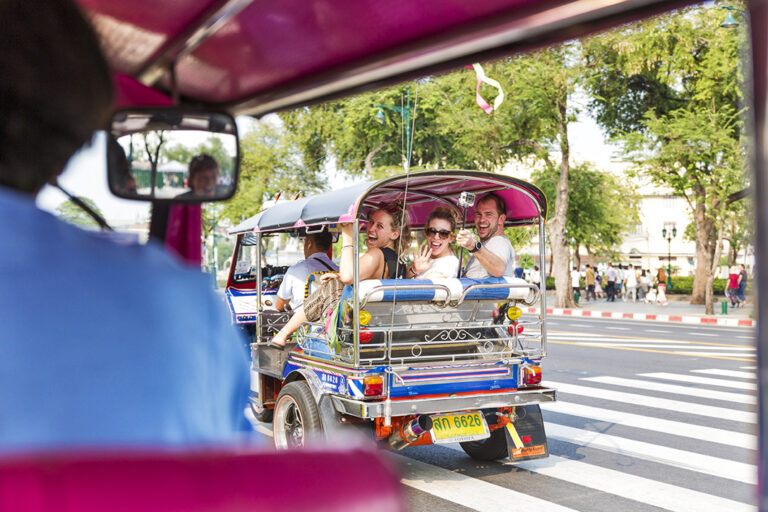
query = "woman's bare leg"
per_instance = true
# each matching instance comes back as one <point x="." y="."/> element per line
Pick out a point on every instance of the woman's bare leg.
<point x="289" y="328"/>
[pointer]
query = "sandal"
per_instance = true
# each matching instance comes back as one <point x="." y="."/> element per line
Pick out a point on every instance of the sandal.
<point x="275" y="345"/>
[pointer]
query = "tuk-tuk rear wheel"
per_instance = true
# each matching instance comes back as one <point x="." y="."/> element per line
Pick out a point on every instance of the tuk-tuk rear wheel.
<point x="492" y="448"/>
<point x="296" y="418"/>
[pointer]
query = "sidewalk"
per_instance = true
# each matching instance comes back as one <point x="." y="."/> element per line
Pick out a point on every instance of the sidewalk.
<point x="679" y="309"/>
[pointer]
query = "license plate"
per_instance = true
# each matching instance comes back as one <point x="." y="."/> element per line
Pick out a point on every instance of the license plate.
<point x="458" y="428"/>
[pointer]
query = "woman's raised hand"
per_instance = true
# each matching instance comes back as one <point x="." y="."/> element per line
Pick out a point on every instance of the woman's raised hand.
<point x="422" y="260"/>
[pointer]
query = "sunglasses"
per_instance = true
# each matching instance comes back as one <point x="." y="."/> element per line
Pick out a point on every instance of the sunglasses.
<point x="444" y="233"/>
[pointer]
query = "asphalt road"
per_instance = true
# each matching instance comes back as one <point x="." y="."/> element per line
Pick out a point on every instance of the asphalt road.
<point x="650" y="416"/>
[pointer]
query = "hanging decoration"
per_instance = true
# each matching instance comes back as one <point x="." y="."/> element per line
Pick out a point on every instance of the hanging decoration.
<point x="481" y="78"/>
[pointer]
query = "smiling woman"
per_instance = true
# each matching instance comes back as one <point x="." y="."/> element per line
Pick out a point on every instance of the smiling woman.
<point x="436" y="257"/>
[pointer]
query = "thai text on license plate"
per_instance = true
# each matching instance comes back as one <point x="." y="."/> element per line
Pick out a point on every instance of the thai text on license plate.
<point x="459" y="427"/>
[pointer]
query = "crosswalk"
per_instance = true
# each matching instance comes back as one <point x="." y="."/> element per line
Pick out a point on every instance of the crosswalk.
<point x="682" y="441"/>
<point x="710" y="348"/>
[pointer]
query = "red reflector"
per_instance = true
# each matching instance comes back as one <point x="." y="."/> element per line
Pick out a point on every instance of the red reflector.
<point x="532" y="375"/>
<point x="514" y="327"/>
<point x="526" y="439"/>
<point x="366" y="336"/>
<point x="373" y="386"/>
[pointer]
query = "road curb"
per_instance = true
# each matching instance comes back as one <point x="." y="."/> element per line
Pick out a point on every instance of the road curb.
<point x="707" y="320"/>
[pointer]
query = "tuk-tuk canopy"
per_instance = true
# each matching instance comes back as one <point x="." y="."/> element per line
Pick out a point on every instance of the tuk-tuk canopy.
<point x="422" y="192"/>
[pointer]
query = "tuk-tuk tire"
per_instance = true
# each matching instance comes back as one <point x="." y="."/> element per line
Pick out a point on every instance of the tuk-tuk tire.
<point x="492" y="448"/>
<point x="299" y="396"/>
<point x="264" y="415"/>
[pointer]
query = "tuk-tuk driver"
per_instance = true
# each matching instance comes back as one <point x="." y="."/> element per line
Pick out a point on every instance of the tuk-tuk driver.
<point x="291" y="291"/>
<point x="492" y="252"/>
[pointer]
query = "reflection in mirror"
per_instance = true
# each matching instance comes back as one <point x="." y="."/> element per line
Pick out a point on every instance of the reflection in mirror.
<point x="173" y="155"/>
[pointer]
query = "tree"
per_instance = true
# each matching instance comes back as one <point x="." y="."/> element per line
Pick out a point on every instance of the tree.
<point x="669" y="89"/>
<point x="271" y="163"/>
<point x="601" y="208"/>
<point x="70" y="212"/>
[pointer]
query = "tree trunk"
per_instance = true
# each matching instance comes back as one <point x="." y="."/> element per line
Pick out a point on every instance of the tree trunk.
<point x="577" y="256"/>
<point x="706" y="238"/>
<point x="560" y="253"/>
<point x="710" y="293"/>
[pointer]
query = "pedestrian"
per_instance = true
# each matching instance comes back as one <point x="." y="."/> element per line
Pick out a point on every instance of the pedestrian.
<point x="575" y="283"/>
<point x="610" y="288"/>
<point x="733" y="285"/>
<point x="536" y="276"/>
<point x="619" y="281"/>
<point x="661" y="287"/>
<point x="643" y="285"/>
<point x="631" y="283"/>
<point x="742" y="284"/>
<point x="598" y="287"/>
<point x="589" y="282"/>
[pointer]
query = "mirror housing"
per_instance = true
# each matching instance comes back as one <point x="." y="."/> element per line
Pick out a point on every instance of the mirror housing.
<point x="172" y="154"/>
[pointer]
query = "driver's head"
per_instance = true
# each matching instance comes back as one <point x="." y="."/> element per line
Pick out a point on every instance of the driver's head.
<point x="56" y="89"/>
<point x="203" y="175"/>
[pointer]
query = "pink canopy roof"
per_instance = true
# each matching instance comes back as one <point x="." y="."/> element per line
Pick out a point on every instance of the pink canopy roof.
<point x="258" y="56"/>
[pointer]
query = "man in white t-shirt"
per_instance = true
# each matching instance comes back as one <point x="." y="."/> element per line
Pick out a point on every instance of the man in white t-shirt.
<point x="492" y="252"/>
<point x="291" y="291"/>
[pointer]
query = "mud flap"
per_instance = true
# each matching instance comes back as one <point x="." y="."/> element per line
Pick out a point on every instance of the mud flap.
<point x="526" y="438"/>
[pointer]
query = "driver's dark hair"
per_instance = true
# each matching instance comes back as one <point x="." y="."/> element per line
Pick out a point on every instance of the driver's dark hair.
<point x="497" y="200"/>
<point x="201" y="162"/>
<point x="323" y="240"/>
<point x="56" y="89"/>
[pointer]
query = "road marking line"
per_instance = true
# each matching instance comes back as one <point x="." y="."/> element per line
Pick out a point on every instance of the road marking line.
<point x="654" y="402"/>
<point x="720" y="355"/>
<point x="591" y="337"/>
<point x="728" y="373"/>
<point x="655" y="330"/>
<point x="699" y="432"/>
<point x="746" y="337"/>
<point x="465" y="490"/>
<point x="748" y="367"/>
<point x="691" y="461"/>
<point x="703" y="334"/>
<point x="618" y="328"/>
<point x="613" y="347"/>
<point x="671" y="388"/>
<point x="625" y="485"/>
<point x="737" y="352"/>
<point x="695" y="379"/>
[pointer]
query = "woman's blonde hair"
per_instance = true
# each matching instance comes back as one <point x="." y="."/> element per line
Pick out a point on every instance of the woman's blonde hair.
<point x="401" y="223"/>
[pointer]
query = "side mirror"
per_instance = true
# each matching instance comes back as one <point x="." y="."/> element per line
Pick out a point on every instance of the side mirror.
<point x="173" y="154"/>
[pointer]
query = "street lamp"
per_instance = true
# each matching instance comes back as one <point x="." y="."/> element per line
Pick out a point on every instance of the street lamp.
<point x="405" y="115"/>
<point x="672" y="234"/>
<point x="730" y="20"/>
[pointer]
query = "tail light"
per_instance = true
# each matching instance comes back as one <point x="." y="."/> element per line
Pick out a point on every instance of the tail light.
<point x="532" y="375"/>
<point x="373" y="386"/>
<point x="366" y="336"/>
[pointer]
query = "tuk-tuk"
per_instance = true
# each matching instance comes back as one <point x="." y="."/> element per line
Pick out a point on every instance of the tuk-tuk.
<point x="412" y="361"/>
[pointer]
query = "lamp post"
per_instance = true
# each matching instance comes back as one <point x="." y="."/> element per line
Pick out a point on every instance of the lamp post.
<point x="672" y="234"/>
<point x="730" y="20"/>
<point x="405" y="116"/>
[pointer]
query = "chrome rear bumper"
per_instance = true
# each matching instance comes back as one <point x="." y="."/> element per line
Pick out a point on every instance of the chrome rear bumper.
<point x="370" y="410"/>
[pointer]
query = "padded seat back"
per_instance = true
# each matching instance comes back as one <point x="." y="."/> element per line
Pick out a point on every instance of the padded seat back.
<point x="437" y="290"/>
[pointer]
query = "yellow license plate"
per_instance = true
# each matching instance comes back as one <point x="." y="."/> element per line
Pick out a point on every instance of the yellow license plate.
<point x="459" y="427"/>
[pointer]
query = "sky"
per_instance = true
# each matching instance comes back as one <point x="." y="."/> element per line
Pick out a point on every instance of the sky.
<point x="85" y="174"/>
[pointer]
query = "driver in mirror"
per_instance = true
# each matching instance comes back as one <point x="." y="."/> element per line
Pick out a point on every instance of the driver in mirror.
<point x="203" y="178"/>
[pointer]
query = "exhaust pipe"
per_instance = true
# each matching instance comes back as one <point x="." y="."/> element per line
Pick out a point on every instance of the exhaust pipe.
<point x="410" y="432"/>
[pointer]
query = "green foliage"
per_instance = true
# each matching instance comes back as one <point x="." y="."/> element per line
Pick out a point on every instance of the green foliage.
<point x="271" y="163"/>
<point x="601" y="207"/>
<point x="526" y="261"/>
<point x="683" y="285"/>
<point x="68" y="211"/>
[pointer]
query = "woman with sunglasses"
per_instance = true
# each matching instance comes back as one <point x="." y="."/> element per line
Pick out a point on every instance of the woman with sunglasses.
<point x="435" y="259"/>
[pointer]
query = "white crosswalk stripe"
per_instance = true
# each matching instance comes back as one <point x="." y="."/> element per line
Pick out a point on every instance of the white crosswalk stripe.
<point x="710" y="434"/>
<point x="655" y="402"/>
<point x="722" y="468"/>
<point x="670" y="388"/>
<point x="694" y="379"/>
<point x="728" y="373"/>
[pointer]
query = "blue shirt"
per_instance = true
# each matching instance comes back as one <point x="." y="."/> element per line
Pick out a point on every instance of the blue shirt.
<point x="112" y="344"/>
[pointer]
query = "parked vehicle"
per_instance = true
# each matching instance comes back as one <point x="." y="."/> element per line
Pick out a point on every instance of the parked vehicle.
<point x="412" y="361"/>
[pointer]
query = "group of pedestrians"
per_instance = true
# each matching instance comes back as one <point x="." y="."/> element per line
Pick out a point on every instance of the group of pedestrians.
<point x="626" y="282"/>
